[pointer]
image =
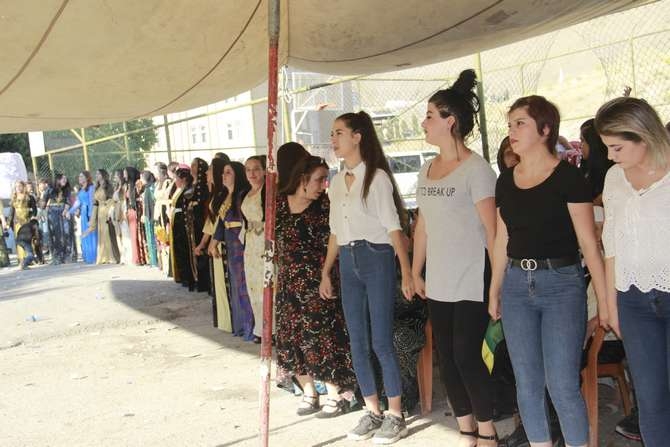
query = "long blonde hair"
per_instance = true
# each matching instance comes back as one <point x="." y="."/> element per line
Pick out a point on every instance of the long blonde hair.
<point x="633" y="119"/>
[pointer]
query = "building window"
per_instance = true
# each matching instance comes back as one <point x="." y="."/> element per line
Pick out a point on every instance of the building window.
<point x="203" y="134"/>
<point x="230" y="131"/>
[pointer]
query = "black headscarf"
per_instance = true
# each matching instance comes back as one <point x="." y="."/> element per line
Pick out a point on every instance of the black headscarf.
<point x="201" y="191"/>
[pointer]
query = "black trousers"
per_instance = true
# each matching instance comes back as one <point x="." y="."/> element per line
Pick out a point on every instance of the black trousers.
<point x="458" y="329"/>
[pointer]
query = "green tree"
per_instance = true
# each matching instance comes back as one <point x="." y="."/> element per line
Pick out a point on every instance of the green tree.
<point x="17" y="142"/>
<point x="110" y="155"/>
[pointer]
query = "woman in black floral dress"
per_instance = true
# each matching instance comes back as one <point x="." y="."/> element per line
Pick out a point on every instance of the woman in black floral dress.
<point x="312" y="340"/>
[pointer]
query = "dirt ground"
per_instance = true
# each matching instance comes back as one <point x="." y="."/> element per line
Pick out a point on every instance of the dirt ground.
<point x="121" y="356"/>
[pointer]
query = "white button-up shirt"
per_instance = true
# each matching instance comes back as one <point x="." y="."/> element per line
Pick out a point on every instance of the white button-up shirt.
<point x="637" y="232"/>
<point x="352" y="219"/>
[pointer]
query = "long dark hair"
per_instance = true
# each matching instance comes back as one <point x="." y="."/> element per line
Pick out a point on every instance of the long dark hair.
<point x="133" y="176"/>
<point x="596" y="165"/>
<point x="459" y="101"/>
<point x="108" y="186"/>
<point x="65" y="190"/>
<point x="372" y="155"/>
<point x="302" y="172"/>
<point x="242" y="185"/>
<point x="288" y="156"/>
<point x="219" y="192"/>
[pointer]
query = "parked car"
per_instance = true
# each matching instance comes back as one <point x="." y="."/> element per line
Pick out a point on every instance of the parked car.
<point x="405" y="167"/>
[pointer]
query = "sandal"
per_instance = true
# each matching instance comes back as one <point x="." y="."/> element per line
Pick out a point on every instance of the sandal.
<point x="471" y="434"/>
<point x="312" y="405"/>
<point x="339" y="406"/>
<point x="493" y="438"/>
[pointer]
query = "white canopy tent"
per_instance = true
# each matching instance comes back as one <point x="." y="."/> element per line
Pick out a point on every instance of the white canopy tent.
<point x="75" y="63"/>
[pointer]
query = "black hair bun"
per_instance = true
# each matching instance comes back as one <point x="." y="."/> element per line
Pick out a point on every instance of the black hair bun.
<point x="466" y="82"/>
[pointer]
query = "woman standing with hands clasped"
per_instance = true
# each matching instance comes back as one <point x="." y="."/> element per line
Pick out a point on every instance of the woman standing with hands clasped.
<point x="365" y="229"/>
<point x="545" y="216"/>
<point x="636" y="238"/>
<point x="455" y="225"/>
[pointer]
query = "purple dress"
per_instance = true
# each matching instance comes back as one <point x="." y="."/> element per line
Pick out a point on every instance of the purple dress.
<point x="238" y="297"/>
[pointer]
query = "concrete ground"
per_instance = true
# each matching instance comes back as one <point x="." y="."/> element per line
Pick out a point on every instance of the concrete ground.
<point x="121" y="356"/>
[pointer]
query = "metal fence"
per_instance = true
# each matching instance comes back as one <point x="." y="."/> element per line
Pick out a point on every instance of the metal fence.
<point x="578" y="68"/>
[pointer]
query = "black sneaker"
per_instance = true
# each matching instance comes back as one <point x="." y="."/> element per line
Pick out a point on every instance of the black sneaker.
<point x="393" y="429"/>
<point x="629" y="427"/>
<point x="367" y="426"/>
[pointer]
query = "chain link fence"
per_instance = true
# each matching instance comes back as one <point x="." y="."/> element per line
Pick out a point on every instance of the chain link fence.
<point x="578" y="68"/>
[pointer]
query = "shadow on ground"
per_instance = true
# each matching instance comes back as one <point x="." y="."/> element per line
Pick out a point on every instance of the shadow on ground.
<point x="168" y="301"/>
<point x="17" y="284"/>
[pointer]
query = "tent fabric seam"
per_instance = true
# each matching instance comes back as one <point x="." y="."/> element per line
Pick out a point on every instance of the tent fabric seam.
<point x="37" y="48"/>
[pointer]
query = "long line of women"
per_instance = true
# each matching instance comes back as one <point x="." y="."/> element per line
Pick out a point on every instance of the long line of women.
<point x="483" y="248"/>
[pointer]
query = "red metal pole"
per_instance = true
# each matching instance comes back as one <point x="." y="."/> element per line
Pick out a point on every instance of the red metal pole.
<point x="270" y="207"/>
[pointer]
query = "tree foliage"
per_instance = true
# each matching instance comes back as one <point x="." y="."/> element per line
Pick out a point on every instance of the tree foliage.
<point x="112" y="154"/>
<point x="17" y="142"/>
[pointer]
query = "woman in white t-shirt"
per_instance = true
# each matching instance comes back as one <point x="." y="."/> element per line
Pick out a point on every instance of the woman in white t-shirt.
<point x="365" y="209"/>
<point x="455" y="225"/>
<point x="636" y="238"/>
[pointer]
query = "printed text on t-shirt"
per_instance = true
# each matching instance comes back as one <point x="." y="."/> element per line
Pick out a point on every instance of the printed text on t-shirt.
<point x="442" y="191"/>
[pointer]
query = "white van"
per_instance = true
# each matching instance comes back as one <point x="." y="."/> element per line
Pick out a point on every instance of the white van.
<point x="405" y="167"/>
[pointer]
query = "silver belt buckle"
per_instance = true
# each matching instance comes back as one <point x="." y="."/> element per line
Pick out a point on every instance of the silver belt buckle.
<point x="529" y="265"/>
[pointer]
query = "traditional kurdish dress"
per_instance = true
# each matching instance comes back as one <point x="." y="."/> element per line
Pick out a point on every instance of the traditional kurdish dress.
<point x="254" y="246"/>
<point x="22" y="209"/>
<point x="312" y="338"/>
<point x="101" y="218"/>
<point x="89" y="243"/>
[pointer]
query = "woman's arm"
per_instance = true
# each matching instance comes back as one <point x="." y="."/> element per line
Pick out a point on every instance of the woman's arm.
<point x="498" y="263"/>
<point x="487" y="215"/>
<point x="75" y="207"/>
<point x="612" y="305"/>
<point x="398" y="242"/>
<point x="419" y="255"/>
<point x="585" y="228"/>
<point x="326" y="288"/>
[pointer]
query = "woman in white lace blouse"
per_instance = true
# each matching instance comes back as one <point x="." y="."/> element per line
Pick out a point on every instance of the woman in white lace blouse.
<point x="636" y="238"/>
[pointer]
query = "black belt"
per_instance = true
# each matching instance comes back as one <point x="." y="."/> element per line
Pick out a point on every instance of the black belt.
<point x="530" y="264"/>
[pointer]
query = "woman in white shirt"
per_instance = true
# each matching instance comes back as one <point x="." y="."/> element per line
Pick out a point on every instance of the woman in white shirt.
<point x="365" y="231"/>
<point x="455" y="225"/>
<point x="636" y="238"/>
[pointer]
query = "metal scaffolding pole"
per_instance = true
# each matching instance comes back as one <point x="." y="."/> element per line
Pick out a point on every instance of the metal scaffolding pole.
<point x="482" y="108"/>
<point x="270" y="207"/>
<point x="167" y="139"/>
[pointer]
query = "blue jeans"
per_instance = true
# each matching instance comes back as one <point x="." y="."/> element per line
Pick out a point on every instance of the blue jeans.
<point x="645" y="327"/>
<point x="544" y="318"/>
<point x="368" y="288"/>
<point x="28" y="249"/>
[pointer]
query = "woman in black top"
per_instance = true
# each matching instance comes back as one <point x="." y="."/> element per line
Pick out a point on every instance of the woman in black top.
<point x="545" y="216"/>
<point x="594" y="163"/>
